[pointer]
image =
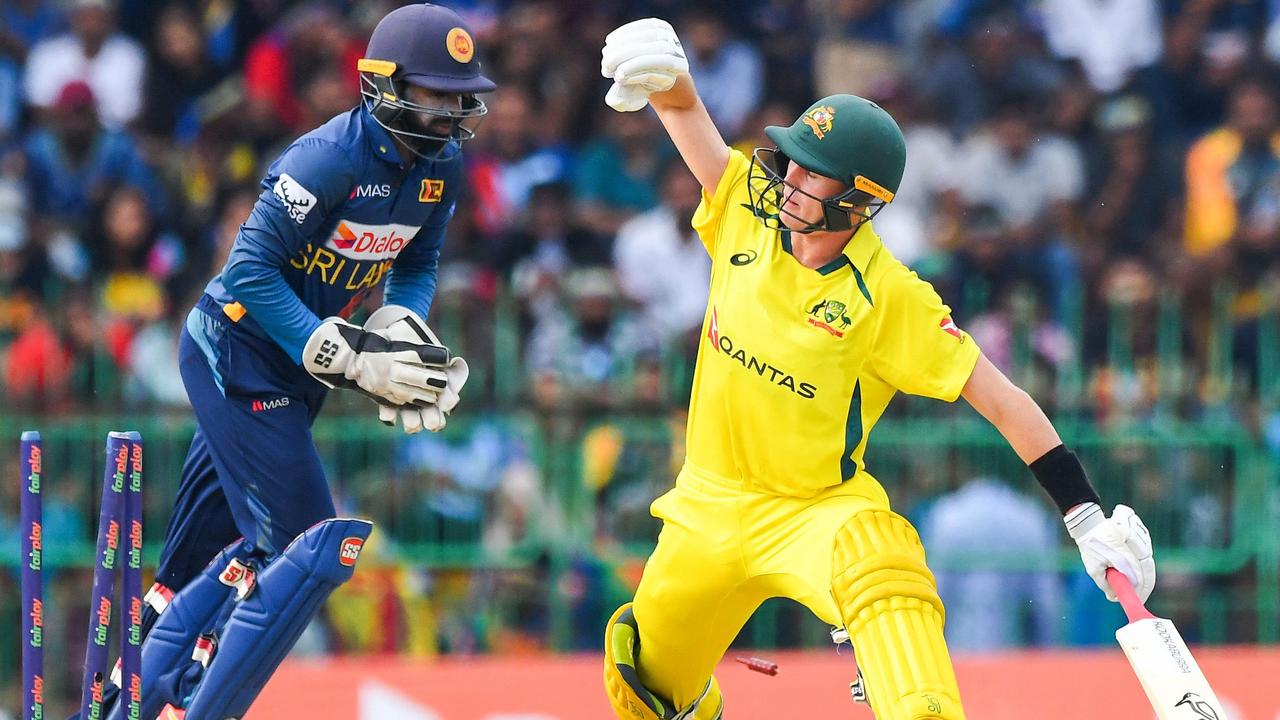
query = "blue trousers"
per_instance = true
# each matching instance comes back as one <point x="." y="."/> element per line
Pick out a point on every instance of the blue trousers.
<point x="252" y="470"/>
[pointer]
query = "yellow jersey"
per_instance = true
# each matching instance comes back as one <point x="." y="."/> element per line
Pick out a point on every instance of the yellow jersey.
<point x="796" y="365"/>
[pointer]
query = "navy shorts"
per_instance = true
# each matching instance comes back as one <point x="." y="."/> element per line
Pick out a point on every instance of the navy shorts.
<point x="252" y="470"/>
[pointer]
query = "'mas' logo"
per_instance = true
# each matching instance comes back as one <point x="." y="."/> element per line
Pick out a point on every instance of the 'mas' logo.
<point x="778" y="376"/>
<point x="370" y="242"/>
<point x="829" y="313"/>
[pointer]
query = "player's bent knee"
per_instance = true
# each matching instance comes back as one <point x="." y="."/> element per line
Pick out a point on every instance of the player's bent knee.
<point x="877" y="555"/>
<point x="628" y="697"/>
<point x="889" y="604"/>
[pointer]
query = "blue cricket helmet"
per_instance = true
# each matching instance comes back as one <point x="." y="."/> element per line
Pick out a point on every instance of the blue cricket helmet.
<point x="431" y="47"/>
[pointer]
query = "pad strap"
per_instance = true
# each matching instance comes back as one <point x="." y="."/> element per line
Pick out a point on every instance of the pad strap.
<point x="184" y="616"/>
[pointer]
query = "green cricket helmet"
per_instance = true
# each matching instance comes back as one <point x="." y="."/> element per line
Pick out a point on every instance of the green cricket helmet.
<point x="844" y="137"/>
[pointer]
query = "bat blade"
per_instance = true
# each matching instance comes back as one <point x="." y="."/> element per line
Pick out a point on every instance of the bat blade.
<point x="1173" y="681"/>
<point x="1169" y="674"/>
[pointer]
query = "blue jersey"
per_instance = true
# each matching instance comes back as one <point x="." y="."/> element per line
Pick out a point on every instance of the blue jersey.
<point x="340" y="212"/>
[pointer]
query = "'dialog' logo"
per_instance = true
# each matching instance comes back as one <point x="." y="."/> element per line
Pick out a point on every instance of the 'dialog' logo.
<point x="830" y="315"/>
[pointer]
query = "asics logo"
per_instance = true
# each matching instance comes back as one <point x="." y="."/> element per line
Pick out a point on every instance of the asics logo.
<point x="743" y="258"/>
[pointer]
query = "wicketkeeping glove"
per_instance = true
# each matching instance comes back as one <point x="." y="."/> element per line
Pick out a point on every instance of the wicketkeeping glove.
<point x="400" y="371"/>
<point x="402" y="323"/>
<point x="641" y="57"/>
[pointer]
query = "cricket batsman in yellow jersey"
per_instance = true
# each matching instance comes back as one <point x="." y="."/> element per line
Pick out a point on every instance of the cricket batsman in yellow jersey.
<point x="811" y="327"/>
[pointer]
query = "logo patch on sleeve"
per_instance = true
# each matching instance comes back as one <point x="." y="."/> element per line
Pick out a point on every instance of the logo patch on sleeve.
<point x="949" y="326"/>
<point x="297" y="200"/>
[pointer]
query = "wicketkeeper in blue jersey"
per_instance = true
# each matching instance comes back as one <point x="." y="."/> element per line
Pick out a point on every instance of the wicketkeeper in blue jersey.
<point x="253" y="547"/>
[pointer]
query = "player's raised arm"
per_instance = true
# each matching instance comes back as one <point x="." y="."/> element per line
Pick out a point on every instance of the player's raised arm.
<point x="1121" y="541"/>
<point x="647" y="64"/>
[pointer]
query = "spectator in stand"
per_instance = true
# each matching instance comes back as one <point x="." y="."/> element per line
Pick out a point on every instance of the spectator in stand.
<point x="312" y="39"/>
<point x="547" y="245"/>
<point x="990" y="608"/>
<point x="23" y="268"/>
<point x="1233" y="213"/>
<point x="662" y="266"/>
<point x="94" y="53"/>
<point x="730" y="71"/>
<point x="23" y="23"/>
<point x="179" y="73"/>
<point x="858" y="46"/>
<point x="1111" y="39"/>
<point x="1207" y="52"/>
<point x="1233" y="188"/>
<point x="783" y="31"/>
<point x="583" y="357"/>
<point x="1132" y="184"/>
<point x="997" y="60"/>
<point x="52" y="369"/>
<point x="152" y="376"/>
<point x="505" y="163"/>
<point x="617" y="173"/>
<point x="1034" y="182"/>
<point x="133" y="257"/>
<point x="326" y="94"/>
<point x="74" y="161"/>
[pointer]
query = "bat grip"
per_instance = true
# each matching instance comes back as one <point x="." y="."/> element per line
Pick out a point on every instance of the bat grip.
<point x="1133" y="607"/>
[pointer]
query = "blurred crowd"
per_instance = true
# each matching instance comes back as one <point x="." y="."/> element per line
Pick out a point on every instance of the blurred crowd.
<point x="1093" y="185"/>
<point x="1065" y="158"/>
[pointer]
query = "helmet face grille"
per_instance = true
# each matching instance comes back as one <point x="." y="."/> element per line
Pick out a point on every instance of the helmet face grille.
<point x="419" y="126"/>
<point x="768" y="191"/>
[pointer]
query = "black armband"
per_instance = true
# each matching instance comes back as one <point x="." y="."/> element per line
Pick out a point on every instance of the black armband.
<point x="1062" y="476"/>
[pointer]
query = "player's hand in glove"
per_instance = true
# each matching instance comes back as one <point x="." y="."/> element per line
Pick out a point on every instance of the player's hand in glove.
<point x="641" y="57"/>
<point x="401" y="372"/>
<point x="401" y="323"/>
<point x="1120" y="541"/>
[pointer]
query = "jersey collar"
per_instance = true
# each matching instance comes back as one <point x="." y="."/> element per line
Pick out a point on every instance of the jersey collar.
<point x="857" y="252"/>
<point x="380" y="141"/>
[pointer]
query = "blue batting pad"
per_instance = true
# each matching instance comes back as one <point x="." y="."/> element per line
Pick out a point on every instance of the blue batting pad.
<point x="264" y="626"/>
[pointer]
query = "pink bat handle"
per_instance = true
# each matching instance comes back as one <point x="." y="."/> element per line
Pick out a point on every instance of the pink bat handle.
<point x="1123" y="589"/>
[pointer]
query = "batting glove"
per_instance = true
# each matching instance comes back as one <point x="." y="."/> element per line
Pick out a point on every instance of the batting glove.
<point x="1121" y="542"/>
<point x="641" y="57"/>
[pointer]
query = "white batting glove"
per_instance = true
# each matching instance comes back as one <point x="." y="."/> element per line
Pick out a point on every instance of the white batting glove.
<point x="401" y="323"/>
<point x="1121" y="542"/>
<point x="641" y="57"/>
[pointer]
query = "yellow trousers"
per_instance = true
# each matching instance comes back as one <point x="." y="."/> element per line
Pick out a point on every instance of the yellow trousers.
<point x="724" y="549"/>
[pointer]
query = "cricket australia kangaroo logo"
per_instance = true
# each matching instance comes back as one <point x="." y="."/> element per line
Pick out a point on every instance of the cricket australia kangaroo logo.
<point x="829" y="314"/>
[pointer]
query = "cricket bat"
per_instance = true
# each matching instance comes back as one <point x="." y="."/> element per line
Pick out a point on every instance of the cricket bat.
<point x="1174" y="684"/>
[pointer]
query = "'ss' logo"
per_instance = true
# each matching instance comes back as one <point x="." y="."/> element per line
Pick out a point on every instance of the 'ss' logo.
<point x="745" y="257"/>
